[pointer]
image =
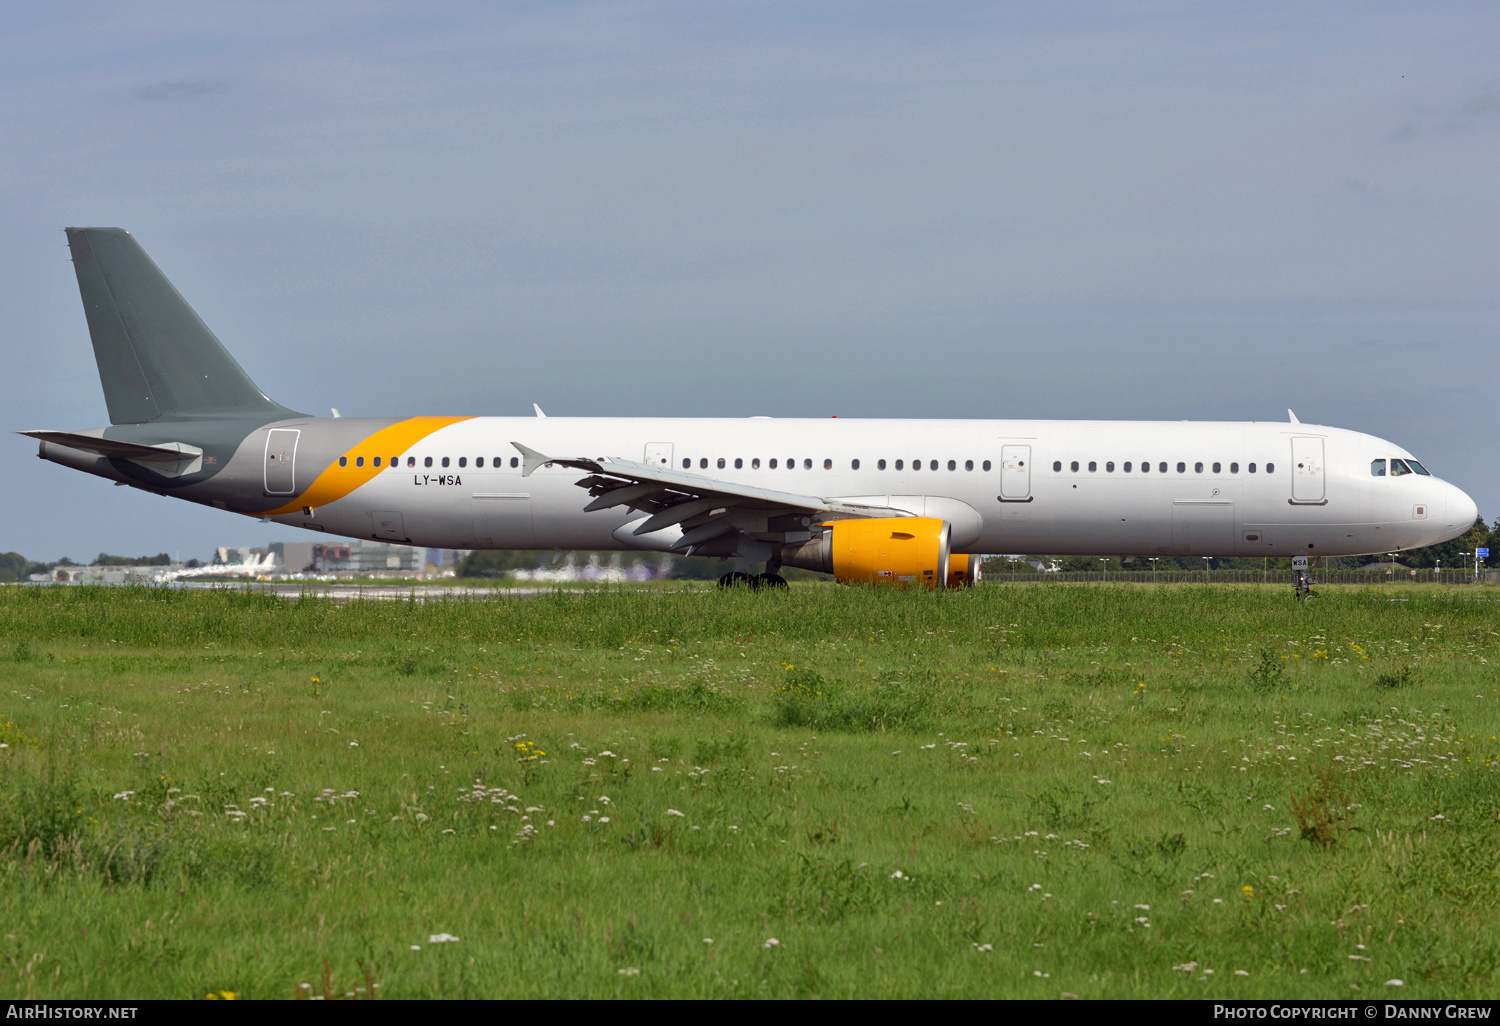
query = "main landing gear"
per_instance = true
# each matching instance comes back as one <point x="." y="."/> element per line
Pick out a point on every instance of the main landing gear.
<point x="769" y="579"/>
<point x="739" y="579"/>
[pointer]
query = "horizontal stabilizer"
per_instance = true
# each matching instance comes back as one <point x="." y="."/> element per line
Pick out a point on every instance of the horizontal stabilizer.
<point x="172" y="452"/>
<point x="169" y="459"/>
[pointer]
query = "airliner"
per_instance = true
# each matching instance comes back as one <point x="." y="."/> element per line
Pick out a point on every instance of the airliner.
<point x="904" y="502"/>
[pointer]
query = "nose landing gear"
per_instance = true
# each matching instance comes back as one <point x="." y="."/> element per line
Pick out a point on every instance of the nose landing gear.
<point x="1301" y="582"/>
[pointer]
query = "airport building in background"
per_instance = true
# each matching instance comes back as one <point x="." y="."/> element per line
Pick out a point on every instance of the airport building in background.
<point x="354" y="558"/>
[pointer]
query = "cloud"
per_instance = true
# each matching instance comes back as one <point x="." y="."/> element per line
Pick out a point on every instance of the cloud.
<point x="181" y="89"/>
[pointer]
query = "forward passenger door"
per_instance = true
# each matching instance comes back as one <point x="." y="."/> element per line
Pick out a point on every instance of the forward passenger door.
<point x="1307" y="470"/>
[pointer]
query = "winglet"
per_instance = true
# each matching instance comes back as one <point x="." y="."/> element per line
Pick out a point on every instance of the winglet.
<point x="530" y="459"/>
<point x="538" y="410"/>
<point x="1293" y="417"/>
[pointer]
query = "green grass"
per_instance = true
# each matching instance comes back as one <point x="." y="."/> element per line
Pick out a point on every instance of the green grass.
<point x="1020" y="790"/>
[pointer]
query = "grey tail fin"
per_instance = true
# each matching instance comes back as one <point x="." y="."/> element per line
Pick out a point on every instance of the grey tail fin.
<point x="157" y="359"/>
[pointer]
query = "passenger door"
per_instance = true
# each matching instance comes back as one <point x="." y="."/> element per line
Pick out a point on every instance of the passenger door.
<point x="1015" y="473"/>
<point x="281" y="455"/>
<point x="1307" y="470"/>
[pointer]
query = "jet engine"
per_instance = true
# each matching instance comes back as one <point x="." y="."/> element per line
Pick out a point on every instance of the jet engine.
<point x="903" y="551"/>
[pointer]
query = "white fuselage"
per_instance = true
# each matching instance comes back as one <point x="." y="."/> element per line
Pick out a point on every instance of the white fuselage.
<point x="1311" y="490"/>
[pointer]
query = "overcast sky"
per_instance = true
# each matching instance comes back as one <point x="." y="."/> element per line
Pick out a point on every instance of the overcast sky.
<point x="1145" y="211"/>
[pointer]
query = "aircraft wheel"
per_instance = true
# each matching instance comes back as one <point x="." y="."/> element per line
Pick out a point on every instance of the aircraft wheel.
<point x="771" y="581"/>
<point x="739" y="579"/>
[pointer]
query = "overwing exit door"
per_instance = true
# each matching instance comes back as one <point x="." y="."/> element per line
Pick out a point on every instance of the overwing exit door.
<point x="659" y="454"/>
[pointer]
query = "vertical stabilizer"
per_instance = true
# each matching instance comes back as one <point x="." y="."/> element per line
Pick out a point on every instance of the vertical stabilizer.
<point x="157" y="359"/>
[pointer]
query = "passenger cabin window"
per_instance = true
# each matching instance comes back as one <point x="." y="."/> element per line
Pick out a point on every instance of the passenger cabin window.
<point x="932" y="465"/>
<point x="1234" y="468"/>
<point x="721" y="463"/>
<point x="463" y="461"/>
<point x="687" y="464"/>
<point x="1093" y="467"/>
<point x="359" y="461"/>
<point x="1057" y="466"/>
<point x="1270" y="468"/>
<point x="1109" y="468"/>
<point x="375" y="462"/>
<point x="445" y="461"/>
<point x="899" y="464"/>
<point x="1182" y="468"/>
<point x="515" y="461"/>
<point x="343" y="461"/>
<point x="1377" y="468"/>
<point x="968" y="464"/>
<point x="1145" y="468"/>
<point x="1126" y="467"/>
<point x="791" y="464"/>
<point x="916" y="464"/>
<point x="828" y="464"/>
<point x="427" y="461"/>
<point x="1197" y="468"/>
<point x="411" y="461"/>
<point x="1073" y="466"/>
<point x="954" y="466"/>
<point x="755" y="463"/>
<point x="479" y="461"/>
<point x="1399" y="468"/>
<point x="807" y="464"/>
<point x="1161" y="467"/>
<point x="1251" y="468"/>
<point x="771" y="464"/>
<point x="703" y="463"/>
<point x="739" y="464"/>
<point x="986" y="465"/>
<point x="854" y="464"/>
<point x="880" y="464"/>
<point x="1216" y="467"/>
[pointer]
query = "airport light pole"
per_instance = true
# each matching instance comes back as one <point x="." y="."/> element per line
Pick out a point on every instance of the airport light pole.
<point x="1205" y="568"/>
<point x="1105" y="561"/>
<point x="1153" y="568"/>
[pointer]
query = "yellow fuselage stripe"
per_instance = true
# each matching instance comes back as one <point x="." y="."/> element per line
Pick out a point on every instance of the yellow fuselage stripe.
<point x="336" y="482"/>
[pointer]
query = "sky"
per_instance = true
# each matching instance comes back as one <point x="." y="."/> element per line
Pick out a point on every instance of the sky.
<point x="1157" y="210"/>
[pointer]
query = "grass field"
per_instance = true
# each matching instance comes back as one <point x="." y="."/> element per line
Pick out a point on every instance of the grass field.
<point x="1020" y="790"/>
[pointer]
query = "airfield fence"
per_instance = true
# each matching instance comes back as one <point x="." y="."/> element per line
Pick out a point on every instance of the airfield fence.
<point x="1318" y="577"/>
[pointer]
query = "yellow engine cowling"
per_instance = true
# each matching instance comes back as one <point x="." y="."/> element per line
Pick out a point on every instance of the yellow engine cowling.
<point x="963" y="570"/>
<point x="903" y="551"/>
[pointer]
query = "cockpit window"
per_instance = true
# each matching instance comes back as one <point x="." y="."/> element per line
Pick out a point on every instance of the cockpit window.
<point x="1377" y="468"/>
<point x="1414" y="465"/>
<point x="1399" y="467"/>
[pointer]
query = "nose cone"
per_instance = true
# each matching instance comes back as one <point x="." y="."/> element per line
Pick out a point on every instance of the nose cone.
<point x="1462" y="512"/>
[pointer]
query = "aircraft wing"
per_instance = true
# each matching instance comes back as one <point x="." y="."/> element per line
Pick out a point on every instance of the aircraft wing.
<point x="705" y="507"/>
